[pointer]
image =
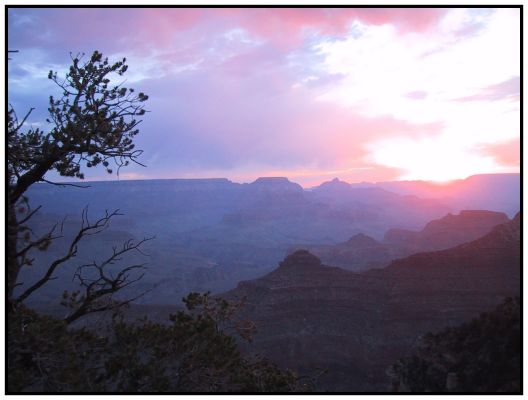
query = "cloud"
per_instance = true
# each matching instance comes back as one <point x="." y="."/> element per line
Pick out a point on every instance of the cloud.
<point x="416" y="95"/>
<point x="406" y="77"/>
<point x="142" y="29"/>
<point x="509" y="90"/>
<point x="505" y="153"/>
<point x="306" y="91"/>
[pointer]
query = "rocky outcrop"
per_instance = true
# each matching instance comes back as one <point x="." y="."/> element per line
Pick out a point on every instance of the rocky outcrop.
<point x="362" y="252"/>
<point x="342" y="190"/>
<point x="276" y="183"/>
<point x="312" y="316"/>
<point x="448" y="231"/>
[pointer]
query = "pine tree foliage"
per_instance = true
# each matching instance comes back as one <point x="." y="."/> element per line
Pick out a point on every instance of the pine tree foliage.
<point x="193" y="352"/>
<point x="483" y="355"/>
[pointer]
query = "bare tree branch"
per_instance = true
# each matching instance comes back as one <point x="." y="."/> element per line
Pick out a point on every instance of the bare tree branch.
<point x="11" y="51"/>
<point x="64" y="184"/>
<point x="18" y="124"/>
<point x="85" y="230"/>
<point x="99" y="290"/>
<point x="27" y="217"/>
<point x="93" y="123"/>
<point x="44" y="240"/>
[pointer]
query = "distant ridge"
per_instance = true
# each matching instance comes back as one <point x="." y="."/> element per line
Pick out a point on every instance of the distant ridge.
<point x="271" y="179"/>
<point x="448" y="231"/>
<point x="362" y="252"/>
<point x="334" y="181"/>
<point x="276" y="183"/>
<point x="496" y="192"/>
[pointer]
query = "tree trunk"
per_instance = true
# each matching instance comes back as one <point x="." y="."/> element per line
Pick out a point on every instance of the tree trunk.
<point x="14" y="194"/>
<point x="13" y="267"/>
<point x="32" y="176"/>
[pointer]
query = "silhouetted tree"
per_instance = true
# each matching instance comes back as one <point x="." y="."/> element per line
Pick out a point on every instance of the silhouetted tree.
<point x="93" y="124"/>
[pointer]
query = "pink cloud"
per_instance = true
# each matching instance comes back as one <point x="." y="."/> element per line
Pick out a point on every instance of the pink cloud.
<point x="260" y="119"/>
<point x="107" y="29"/>
<point x="285" y="26"/>
<point x="149" y="28"/>
<point x="506" y="153"/>
<point x="405" y="19"/>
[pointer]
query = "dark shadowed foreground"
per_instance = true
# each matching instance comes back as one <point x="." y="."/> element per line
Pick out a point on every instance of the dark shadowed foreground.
<point x="483" y="355"/>
<point x="193" y="352"/>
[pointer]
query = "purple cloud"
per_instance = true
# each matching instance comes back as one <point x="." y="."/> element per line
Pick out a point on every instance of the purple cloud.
<point x="507" y="90"/>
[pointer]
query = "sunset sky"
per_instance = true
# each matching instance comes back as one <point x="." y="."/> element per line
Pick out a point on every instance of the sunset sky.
<point x="311" y="94"/>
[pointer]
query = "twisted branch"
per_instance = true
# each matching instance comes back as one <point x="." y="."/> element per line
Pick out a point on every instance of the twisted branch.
<point x="85" y="230"/>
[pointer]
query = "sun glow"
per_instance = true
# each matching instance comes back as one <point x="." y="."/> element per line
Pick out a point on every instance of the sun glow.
<point x="467" y="85"/>
<point x="436" y="159"/>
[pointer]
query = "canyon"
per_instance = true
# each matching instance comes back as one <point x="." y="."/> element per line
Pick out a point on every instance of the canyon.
<point x="311" y="317"/>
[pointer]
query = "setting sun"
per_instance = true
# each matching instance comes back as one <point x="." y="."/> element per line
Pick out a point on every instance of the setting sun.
<point x="436" y="159"/>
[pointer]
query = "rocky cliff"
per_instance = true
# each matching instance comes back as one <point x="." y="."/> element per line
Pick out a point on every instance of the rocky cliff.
<point x="448" y="231"/>
<point x="355" y="325"/>
<point x="362" y="252"/>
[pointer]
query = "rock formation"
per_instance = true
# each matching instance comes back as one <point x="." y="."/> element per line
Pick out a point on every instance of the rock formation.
<point x="355" y="325"/>
<point x="363" y="252"/>
<point x="360" y="252"/>
<point x="448" y="231"/>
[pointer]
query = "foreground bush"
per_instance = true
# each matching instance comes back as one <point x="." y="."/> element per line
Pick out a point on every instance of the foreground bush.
<point x="193" y="353"/>
<point x="481" y="356"/>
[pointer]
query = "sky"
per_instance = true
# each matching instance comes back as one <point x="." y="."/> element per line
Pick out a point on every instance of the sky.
<point x="362" y="94"/>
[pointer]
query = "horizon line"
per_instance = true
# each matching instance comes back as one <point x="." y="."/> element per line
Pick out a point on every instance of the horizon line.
<point x="439" y="183"/>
